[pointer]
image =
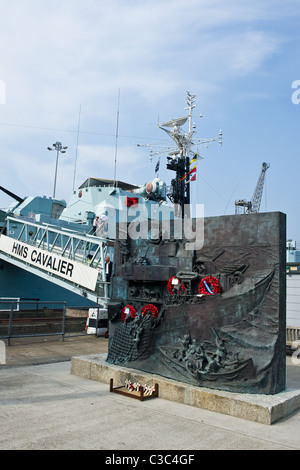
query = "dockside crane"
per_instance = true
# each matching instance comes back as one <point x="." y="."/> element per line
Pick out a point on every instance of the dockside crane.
<point x="253" y="206"/>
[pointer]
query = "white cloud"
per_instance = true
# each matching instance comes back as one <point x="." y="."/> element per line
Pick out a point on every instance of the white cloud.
<point x="60" y="54"/>
<point x="57" y="56"/>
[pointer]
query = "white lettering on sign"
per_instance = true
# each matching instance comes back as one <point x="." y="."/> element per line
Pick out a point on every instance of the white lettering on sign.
<point x="83" y="275"/>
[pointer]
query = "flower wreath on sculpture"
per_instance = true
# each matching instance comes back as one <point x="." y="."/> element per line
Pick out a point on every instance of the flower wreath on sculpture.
<point x="171" y="284"/>
<point x="150" y="308"/>
<point x="209" y="285"/>
<point x="128" y="310"/>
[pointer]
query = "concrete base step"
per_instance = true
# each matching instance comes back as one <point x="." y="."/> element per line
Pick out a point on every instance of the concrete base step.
<point x="265" y="409"/>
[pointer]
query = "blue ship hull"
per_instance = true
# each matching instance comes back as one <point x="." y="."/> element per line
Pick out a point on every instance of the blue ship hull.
<point x="18" y="283"/>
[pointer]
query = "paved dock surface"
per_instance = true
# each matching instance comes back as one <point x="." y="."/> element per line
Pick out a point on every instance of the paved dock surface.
<point x="44" y="407"/>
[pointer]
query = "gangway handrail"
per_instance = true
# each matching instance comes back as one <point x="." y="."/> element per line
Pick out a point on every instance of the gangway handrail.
<point x="55" y="228"/>
<point x="92" y="239"/>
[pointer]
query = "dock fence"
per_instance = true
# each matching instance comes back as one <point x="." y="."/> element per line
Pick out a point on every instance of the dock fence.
<point x="33" y="318"/>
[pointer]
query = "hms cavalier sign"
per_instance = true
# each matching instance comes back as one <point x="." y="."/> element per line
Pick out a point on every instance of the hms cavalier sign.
<point x="68" y="269"/>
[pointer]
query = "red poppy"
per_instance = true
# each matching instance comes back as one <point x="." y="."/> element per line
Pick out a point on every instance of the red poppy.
<point x="209" y="285"/>
<point x="172" y="282"/>
<point x="128" y="310"/>
<point x="150" y="308"/>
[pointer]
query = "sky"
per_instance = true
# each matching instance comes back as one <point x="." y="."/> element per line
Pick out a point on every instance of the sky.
<point x="98" y="76"/>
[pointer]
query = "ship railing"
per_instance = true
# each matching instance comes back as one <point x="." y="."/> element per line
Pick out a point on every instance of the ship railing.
<point x="36" y="217"/>
<point x="9" y="302"/>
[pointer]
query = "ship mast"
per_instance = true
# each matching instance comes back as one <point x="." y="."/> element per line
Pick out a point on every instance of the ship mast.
<point x="178" y="159"/>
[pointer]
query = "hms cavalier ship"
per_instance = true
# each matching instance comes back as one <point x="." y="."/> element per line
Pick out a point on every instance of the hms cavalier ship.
<point x="39" y="235"/>
<point x="58" y="229"/>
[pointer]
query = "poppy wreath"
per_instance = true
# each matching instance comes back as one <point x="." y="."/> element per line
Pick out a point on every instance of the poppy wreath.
<point x="132" y="312"/>
<point x="150" y="308"/>
<point x="209" y="285"/>
<point x="171" y="286"/>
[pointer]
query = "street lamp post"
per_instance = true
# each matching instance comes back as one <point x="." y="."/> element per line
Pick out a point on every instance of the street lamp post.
<point x="59" y="148"/>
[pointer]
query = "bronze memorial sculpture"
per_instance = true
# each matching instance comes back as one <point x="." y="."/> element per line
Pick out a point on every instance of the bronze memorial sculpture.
<point x="213" y="316"/>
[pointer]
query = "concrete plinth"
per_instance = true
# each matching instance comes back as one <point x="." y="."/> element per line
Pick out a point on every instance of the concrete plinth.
<point x="264" y="409"/>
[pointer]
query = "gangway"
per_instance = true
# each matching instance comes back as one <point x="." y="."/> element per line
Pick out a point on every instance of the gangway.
<point x="70" y="259"/>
